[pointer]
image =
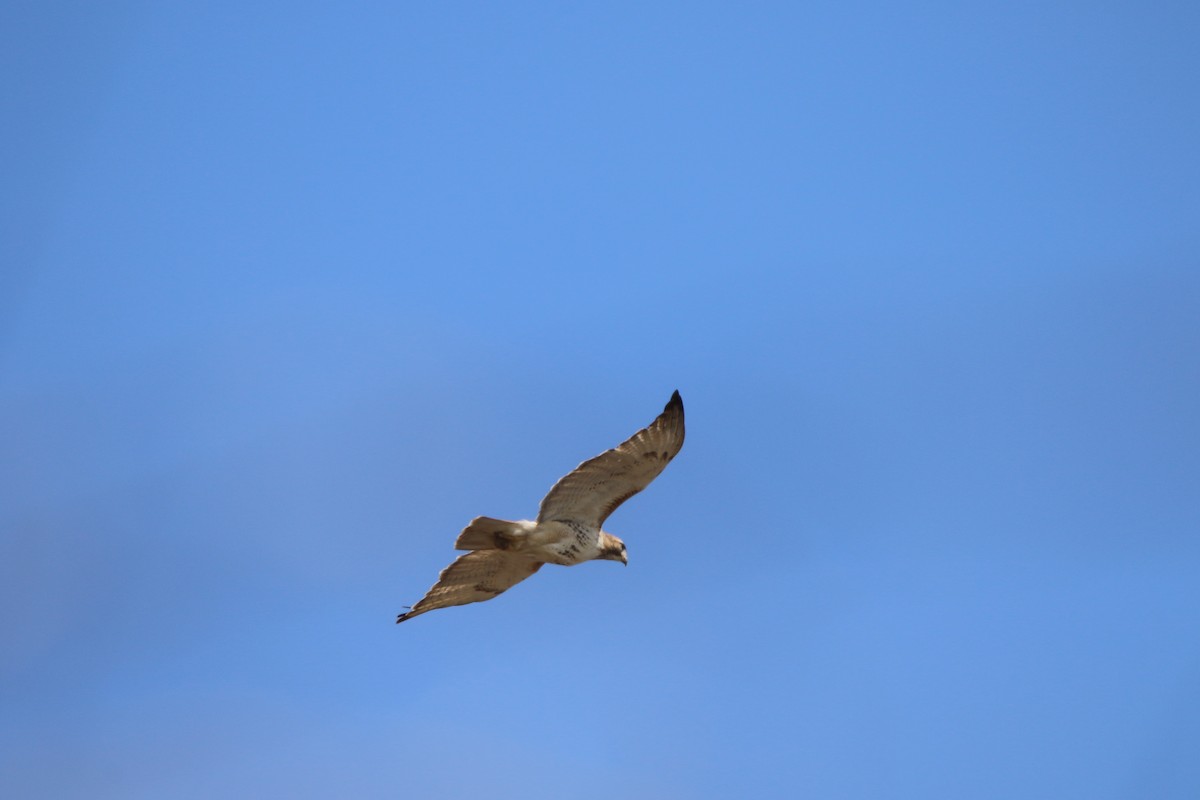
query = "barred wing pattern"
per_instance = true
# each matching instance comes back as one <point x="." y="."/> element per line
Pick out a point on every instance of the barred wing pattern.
<point x="594" y="489"/>
<point x="478" y="575"/>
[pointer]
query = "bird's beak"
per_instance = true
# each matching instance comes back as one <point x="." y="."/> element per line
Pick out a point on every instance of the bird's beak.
<point x="625" y="560"/>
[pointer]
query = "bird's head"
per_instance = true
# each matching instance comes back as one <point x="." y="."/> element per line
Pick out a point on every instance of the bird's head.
<point x="612" y="548"/>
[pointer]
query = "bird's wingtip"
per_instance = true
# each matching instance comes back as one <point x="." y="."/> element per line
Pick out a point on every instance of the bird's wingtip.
<point x="675" y="402"/>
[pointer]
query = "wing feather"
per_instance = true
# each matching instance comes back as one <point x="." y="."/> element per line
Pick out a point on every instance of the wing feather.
<point x="594" y="489"/>
<point x="476" y="576"/>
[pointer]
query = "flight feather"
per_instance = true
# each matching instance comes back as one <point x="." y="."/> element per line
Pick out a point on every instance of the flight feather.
<point x="478" y="575"/>
<point x="593" y="490"/>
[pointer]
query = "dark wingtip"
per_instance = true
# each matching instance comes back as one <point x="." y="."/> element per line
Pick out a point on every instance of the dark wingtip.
<point x="401" y="617"/>
<point x="675" y="402"/>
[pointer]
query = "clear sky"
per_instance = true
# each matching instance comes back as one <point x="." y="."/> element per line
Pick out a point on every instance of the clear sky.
<point x="290" y="292"/>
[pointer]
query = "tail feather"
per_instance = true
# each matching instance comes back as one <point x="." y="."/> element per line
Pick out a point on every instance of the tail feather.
<point x="487" y="533"/>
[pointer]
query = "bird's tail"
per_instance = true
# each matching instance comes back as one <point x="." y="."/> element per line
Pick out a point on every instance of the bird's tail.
<point x="486" y="533"/>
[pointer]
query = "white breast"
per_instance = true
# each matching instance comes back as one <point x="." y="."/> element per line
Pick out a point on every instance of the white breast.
<point x="565" y="542"/>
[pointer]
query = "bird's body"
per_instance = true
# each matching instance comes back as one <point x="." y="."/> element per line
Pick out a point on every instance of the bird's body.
<point x="563" y="542"/>
<point x="567" y="530"/>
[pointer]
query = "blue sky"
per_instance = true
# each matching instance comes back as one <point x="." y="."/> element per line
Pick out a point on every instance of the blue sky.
<point x="291" y="292"/>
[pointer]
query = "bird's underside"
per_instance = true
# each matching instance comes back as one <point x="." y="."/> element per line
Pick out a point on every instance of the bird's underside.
<point x="567" y="530"/>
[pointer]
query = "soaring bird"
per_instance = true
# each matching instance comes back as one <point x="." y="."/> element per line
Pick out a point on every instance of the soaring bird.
<point x="567" y="530"/>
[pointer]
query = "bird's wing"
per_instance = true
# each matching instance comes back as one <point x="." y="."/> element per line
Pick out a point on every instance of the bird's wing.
<point x="594" y="489"/>
<point x="478" y="575"/>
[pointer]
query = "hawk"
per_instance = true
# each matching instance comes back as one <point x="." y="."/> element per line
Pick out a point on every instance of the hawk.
<point x="567" y="529"/>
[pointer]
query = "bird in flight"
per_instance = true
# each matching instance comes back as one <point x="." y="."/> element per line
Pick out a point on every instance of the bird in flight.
<point x="567" y="529"/>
